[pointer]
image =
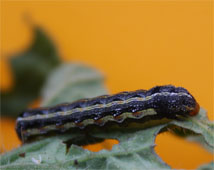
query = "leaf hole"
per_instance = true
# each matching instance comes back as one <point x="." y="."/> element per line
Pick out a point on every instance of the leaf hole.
<point x="107" y="144"/>
<point x="178" y="152"/>
<point x="91" y="143"/>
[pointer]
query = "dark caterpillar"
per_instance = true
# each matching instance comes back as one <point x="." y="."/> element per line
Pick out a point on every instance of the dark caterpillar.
<point x="161" y="101"/>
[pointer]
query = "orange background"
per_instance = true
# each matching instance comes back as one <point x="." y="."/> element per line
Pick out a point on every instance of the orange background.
<point x="137" y="45"/>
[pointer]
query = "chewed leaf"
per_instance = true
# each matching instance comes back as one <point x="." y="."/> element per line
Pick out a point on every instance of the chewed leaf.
<point x="199" y="125"/>
<point x="70" y="82"/>
<point x="135" y="151"/>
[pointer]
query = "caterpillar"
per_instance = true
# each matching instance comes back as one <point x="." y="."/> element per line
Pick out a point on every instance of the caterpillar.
<point x="156" y="103"/>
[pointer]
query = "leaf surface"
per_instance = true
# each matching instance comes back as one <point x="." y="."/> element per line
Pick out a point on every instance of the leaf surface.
<point x="70" y="82"/>
<point x="209" y="166"/>
<point x="198" y="125"/>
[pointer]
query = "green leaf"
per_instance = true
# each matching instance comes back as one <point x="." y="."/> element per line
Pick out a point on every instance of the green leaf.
<point x="197" y="125"/>
<point x="30" y="69"/>
<point x="135" y="151"/>
<point x="209" y="166"/>
<point x="70" y="82"/>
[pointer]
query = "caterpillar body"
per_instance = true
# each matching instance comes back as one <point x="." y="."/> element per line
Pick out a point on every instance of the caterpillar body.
<point x="159" y="102"/>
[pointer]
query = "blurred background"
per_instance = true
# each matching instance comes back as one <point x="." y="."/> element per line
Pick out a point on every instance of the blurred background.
<point x="137" y="45"/>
